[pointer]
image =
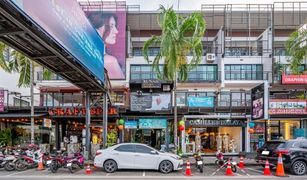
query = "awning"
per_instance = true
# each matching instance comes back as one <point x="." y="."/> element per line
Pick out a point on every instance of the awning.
<point x="21" y="115"/>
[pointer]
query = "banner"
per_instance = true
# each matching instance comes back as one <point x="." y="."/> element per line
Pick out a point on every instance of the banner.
<point x="201" y="101"/>
<point x="131" y="124"/>
<point x="287" y="106"/>
<point x="257" y="95"/>
<point x="150" y="102"/>
<point x="110" y="22"/>
<point x="1" y="100"/>
<point x="294" y="79"/>
<point x="152" y="123"/>
<point x="65" y="22"/>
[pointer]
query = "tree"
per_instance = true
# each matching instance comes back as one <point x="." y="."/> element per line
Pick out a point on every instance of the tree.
<point x="296" y="46"/>
<point x="180" y="37"/>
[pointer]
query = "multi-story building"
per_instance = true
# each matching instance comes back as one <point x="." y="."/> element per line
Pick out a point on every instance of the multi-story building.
<point x="243" y="47"/>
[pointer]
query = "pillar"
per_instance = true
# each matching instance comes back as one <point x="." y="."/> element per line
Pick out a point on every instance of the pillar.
<point x="105" y="120"/>
<point x="87" y="125"/>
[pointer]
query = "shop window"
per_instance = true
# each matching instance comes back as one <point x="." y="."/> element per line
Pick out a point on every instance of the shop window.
<point x="125" y="148"/>
<point x="142" y="149"/>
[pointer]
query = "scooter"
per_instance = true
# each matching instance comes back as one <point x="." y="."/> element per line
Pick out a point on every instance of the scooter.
<point x="10" y="159"/>
<point x="199" y="162"/>
<point x="77" y="161"/>
<point x="220" y="161"/>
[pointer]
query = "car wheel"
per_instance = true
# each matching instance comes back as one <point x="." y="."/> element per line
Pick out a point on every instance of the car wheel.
<point x="299" y="168"/>
<point x="110" y="166"/>
<point x="166" y="167"/>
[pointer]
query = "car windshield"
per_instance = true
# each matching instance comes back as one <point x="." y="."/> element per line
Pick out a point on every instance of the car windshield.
<point x="273" y="145"/>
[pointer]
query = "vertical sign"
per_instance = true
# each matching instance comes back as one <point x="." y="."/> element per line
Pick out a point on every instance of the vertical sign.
<point x="1" y="100"/>
<point x="257" y="97"/>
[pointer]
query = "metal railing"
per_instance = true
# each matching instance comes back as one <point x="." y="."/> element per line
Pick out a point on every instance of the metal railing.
<point x="247" y="75"/>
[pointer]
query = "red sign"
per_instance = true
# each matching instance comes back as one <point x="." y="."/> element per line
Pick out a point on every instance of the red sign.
<point x="294" y="79"/>
<point x="287" y="106"/>
<point x="1" y="100"/>
<point x="79" y="111"/>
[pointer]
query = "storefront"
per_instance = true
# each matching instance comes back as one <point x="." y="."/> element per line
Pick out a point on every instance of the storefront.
<point x="212" y="135"/>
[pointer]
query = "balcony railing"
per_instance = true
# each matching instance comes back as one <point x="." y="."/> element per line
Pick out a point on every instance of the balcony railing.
<point x="248" y="75"/>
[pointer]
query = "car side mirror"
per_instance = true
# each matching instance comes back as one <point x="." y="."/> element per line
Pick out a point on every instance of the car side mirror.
<point x="153" y="152"/>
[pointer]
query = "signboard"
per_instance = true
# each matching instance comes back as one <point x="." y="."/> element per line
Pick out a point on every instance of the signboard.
<point x="131" y="124"/>
<point x="294" y="79"/>
<point x="201" y="101"/>
<point x="66" y="23"/>
<point x="1" y="100"/>
<point x="150" y="102"/>
<point x="151" y="84"/>
<point x="47" y="123"/>
<point x="287" y="106"/>
<point x="79" y="111"/>
<point x="213" y="123"/>
<point x="257" y="94"/>
<point x="109" y="19"/>
<point x="152" y="123"/>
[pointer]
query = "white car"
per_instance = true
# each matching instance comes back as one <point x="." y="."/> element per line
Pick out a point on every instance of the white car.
<point x="136" y="156"/>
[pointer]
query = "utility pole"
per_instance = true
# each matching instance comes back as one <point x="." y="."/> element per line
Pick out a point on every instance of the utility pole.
<point x="32" y="101"/>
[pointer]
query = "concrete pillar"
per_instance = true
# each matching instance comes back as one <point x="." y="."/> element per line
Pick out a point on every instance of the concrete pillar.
<point x="105" y="120"/>
<point x="87" y="126"/>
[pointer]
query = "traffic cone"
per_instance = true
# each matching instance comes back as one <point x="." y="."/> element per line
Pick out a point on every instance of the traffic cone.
<point x="95" y="168"/>
<point x="267" y="171"/>
<point x="280" y="167"/>
<point x="228" y="170"/>
<point x="188" y="171"/>
<point x="88" y="169"/>
<point x="241" y="164"/>
<point x="40" y="164"/>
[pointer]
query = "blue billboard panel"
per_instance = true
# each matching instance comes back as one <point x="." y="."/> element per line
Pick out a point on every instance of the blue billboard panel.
<point x="131" y="124"/>
<point x="152" y="123"/>
<point x="201" y="101"/>
<point x="66" y="23"/>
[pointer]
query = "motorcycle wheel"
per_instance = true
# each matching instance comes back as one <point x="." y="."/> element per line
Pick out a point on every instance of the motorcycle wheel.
<point x="234" y="168"/>
<point x="53" y="167"/>
<point x="9" y="166"/>
<point x="20" y="165"/>
<point x="201" y="168"/>
<point x="81" y="166"/>
<point x="73" y="168"/>
<point x="216" y="162"/>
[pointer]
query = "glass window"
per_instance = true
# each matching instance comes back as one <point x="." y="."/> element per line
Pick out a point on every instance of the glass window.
<point x="143" y="149"/>
<point x="125" y="148"/>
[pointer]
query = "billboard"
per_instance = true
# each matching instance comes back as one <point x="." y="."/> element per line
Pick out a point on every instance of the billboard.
<point x="201" y="101"/>
<point x="65" y="22"/>
<point x="110" y="22"/>
<point x="150" y="102"/>
<point x="287" y="106"/>
<point x="152" y="123"/>
<point x="1" y="100"/>
<point x="257" y="94"/>
<point x="294" y="79"/>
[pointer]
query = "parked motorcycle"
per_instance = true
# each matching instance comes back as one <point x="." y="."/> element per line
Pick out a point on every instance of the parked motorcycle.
<point x="199" y="161"/>
<point x="10" y="158"/>
<point x="63" y="161"/>
<point x="77" y="161"/>
<point x="221" y="161"/>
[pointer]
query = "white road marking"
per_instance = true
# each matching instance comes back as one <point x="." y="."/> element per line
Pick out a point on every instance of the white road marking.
<point x="143" y="173"/>
<point x="19" y="172"/>
<point x="237" y="174"/>
<point x="108" y="174"/>
<point x="255" y="170"/>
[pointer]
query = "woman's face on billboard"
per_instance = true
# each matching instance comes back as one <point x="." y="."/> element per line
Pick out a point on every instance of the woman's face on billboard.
<point x="110" y="37"/>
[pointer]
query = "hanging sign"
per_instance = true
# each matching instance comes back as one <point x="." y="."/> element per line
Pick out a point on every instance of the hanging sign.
<point x="47" y="123"/>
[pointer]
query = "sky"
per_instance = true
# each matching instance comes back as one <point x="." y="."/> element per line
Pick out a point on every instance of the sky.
<point x="151" y="5"/>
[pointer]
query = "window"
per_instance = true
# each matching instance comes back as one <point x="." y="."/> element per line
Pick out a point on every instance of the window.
<point x="244" y="72"/>
<point x="141" y="72"/>
<point x="125" y="148"/>
<point x="203" y="73"/>
<point x="143" y="149"/>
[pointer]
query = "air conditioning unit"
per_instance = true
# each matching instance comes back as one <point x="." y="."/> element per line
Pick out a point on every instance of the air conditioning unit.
<point x="166" y="87"/>
<point x="210" y="57"/>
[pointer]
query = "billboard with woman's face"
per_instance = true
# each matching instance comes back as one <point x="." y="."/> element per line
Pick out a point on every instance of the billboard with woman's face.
<point x="111" y="26"/>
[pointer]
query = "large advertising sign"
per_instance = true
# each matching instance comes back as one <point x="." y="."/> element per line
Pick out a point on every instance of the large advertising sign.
<point x="1" y="100"/>
<point x="258" y="102"/>
<point x="65" y="22"/>
<point x="150" y="102"/>
<point x="152" y="123"/>
<point x="110" y="22"/>
<point x="294" y="79"/>
<point x="287" y="106"/>
<point x="201" y="101"/>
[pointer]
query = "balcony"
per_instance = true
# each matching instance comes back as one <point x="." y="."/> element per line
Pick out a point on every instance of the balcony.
<point x="246" y="75"/>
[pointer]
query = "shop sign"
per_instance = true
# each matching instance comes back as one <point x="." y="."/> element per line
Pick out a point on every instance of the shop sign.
<point x="287" y="106"/>
<point x="201" y="101"/>
<point x="213" y="123"/>
<point x="79" y="111"/>
<point x="1" y="100"/>
<point x="151" y="84"/>
<point x="152" y="123"/>
<point x="257" y="94"/>
<point x="294" y="79"/>
<point x="47" y="123"/>
<point x="150" y="102"/>
<point x="131" y="124"/>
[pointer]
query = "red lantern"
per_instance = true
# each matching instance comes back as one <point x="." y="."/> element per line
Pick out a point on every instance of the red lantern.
<point x="120" y="127"/>
<point x="181" y="128"/>
<point x="251" y="131"/>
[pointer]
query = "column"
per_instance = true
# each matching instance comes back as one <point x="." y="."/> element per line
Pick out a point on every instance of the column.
<point x="87" y="126"/>
<point x="105" y="120"/>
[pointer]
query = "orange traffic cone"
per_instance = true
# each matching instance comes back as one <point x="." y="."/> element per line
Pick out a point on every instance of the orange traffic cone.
<point x="228" y="170"/>
<point x="88" y="169"/>
<point x="267" y="171"/>
<point x="241" y="164"/>
<point x="40" y="164"/>
<point x="280" y="167"/>
<point x="188" y="171"/>
<point x="95" y="168"/>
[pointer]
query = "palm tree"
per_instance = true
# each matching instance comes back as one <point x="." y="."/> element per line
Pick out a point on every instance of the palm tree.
<point x="296" y="46"/>
<point x="180" y="37"/>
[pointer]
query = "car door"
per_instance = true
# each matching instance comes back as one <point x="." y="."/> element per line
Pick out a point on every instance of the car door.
<point x="144" y="158"/>
<point x="124" y="156"/>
